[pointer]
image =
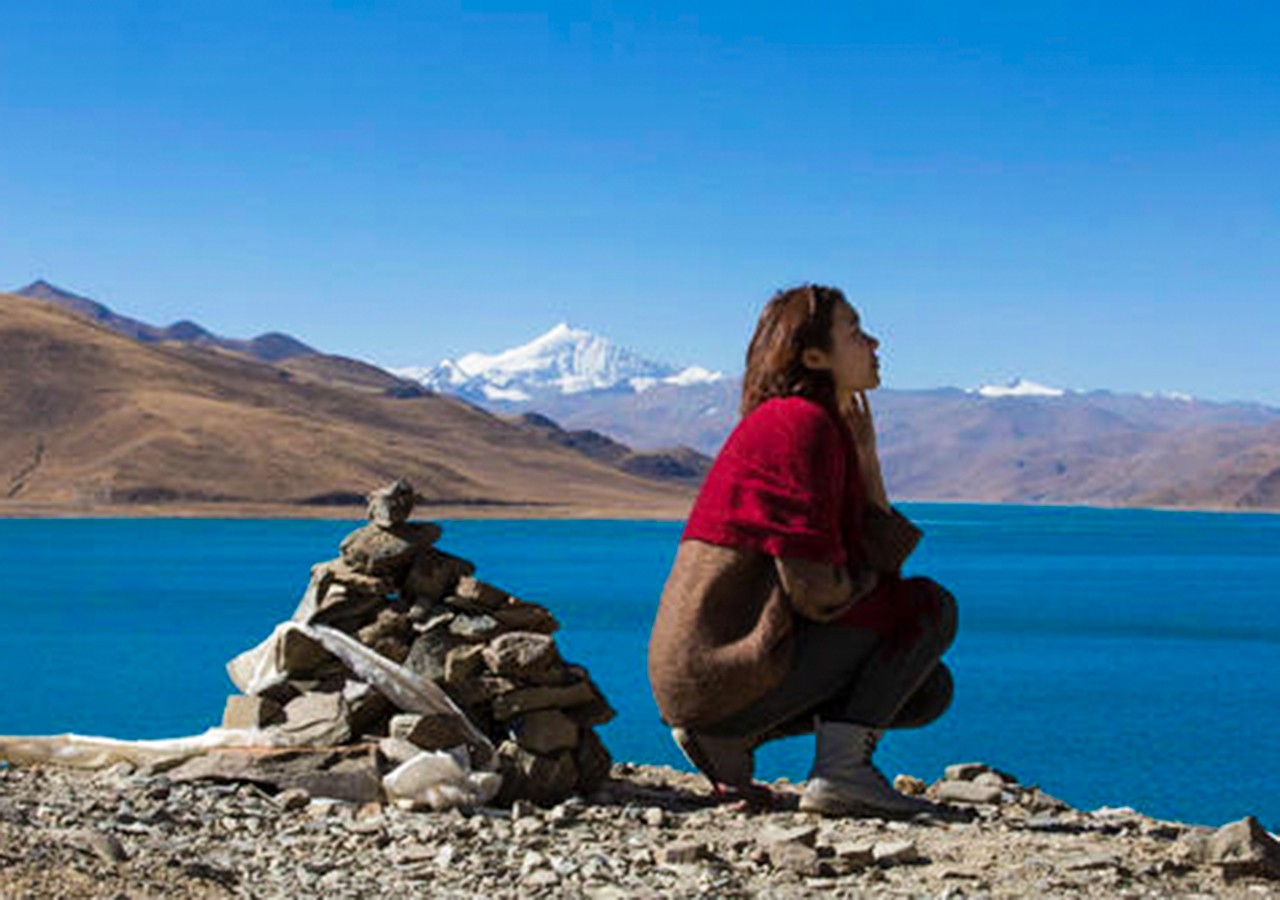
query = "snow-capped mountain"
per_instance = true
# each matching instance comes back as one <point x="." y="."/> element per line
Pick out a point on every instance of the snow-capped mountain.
<point x="1018" y="387"/>
<point x="563" y="361"/>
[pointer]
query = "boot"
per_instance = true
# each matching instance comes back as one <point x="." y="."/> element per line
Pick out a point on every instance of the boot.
<point x="843" y="781"/>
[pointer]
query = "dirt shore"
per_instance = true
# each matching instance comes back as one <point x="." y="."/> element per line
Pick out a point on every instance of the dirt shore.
<point x="650" y="832"/>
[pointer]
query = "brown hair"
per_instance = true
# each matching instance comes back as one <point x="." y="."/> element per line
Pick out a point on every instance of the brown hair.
<point x="792" y="321"/>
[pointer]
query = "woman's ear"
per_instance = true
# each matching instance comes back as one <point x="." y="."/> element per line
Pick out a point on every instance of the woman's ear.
<point x="813" y="358"/>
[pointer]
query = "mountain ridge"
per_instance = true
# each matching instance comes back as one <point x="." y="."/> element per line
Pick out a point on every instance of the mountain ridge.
<point x="91" y="419"/>
<point x="1025" y="443"/>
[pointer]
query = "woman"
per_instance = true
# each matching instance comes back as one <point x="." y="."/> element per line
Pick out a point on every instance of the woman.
<point x="784" y="611"/>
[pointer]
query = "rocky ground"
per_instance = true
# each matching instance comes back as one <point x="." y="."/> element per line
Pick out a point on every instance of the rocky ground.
<point x="647" y="832"/>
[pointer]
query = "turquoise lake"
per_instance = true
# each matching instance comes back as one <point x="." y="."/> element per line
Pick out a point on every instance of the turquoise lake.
<point x="1114" y="657"/>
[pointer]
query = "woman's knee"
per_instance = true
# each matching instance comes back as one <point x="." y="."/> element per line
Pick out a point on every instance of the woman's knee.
<point x="938" y="607"/>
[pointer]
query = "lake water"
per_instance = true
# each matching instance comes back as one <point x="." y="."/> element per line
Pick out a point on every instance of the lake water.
<point x="1117" y="657"/>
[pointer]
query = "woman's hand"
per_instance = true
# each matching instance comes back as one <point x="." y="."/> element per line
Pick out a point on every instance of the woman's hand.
<point x="863" y="427"/>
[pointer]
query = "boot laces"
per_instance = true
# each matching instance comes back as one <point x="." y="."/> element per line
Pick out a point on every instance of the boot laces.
<point x="869" y="742"/>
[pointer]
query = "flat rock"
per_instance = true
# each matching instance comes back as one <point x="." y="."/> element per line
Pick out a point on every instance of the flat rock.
<point x="968" y="792"/>
<point x="795" y="857"/>
<point x="681" y="853"/>
<point x="516" y="615"/>
<point x="890" y="853"/>
<point x="1244" y="848"/>
<point x="316" y="718"/>
<point x="855" y="853"/>
<point x="521" y="700"/>
<point x="470" y="593"/>
<point x="397" y="750"/>
<point x="342" y="774"/>
<point x="545" y="731"/>
<point x="772" y="835"/>
<point x="248" y="711"/>
<point x="387" y="551"/>
<point x="525" y="656"/>
<point x="433" y="731"/>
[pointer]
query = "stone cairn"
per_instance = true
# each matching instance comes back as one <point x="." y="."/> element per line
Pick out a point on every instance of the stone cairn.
<point x="424" y="609"/>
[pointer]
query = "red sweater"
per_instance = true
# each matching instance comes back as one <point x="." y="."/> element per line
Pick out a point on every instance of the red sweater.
<point x="786" y="482"/>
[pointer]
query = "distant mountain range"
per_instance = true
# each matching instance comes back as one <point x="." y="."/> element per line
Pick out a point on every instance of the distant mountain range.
<point x="1020" y="442"/>
<point x="647" y="421"/>
<point x="95" y="417"/>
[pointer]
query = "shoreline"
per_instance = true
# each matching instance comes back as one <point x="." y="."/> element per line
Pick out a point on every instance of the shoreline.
<point x="649" y="831"/>
<point x="513" y="511"/>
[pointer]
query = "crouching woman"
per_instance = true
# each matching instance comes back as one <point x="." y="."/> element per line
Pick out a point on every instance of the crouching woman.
<point x="784" y="611"/>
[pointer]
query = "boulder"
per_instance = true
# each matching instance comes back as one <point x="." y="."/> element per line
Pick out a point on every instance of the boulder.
<point x="388" y="623"/>
<point x="463" y="665"/>
<point x="474" y="627"/>
<point x="545" y="731"/>
<point x="967" y="792"/>
<point x="340" y="572"/>
<point x="433" y="576"/>
<point x="391" y="504"/>
<point x="397" y="750"/>
<point x="436" y="731"/>
<point x="525" y="656"/>
<point x="516" y="615"/>
<point x="378" y="551"/>
<point x="798" y="858"/>
<point x="348" y="609"/>
<point x="430" y="650"/>
<point x="593" y="761"/>
<point x="318" y="719"/>
<point x="545" y="780"/>
<point x="341" y="773"/>
<point x="528" y="699"/>
<point x="367" y="709"/>
<point x="892" y="853"/>
<point x="251" y="712"/>
<point x="472" y="594"/>
<point x="1244" y="848"/>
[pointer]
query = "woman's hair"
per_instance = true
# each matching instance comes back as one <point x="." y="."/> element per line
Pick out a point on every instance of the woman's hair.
<point x="792" y="321"/>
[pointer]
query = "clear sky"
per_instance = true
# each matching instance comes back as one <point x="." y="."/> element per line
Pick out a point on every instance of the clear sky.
<point x="1086" y="194"/>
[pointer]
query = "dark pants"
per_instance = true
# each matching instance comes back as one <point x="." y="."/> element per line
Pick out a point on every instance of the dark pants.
<point x="850" y="674"/>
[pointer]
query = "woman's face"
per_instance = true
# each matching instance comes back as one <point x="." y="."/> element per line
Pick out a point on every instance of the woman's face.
<point x="852" y="357"/>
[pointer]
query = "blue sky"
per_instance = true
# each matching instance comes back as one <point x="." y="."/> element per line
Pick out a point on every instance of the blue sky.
<point x="1086" y="194"/>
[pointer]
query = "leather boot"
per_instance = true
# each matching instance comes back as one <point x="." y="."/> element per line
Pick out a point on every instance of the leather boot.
<point x="843" y="781"/>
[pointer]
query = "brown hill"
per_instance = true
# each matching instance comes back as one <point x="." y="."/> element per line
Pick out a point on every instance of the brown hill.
<point x="1096" y="448"/>
<point x="270" y="347"/>
<point x="90" y="418"/>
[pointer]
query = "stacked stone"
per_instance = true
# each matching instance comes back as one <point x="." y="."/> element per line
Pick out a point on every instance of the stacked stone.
<point x="494" y="655"/>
